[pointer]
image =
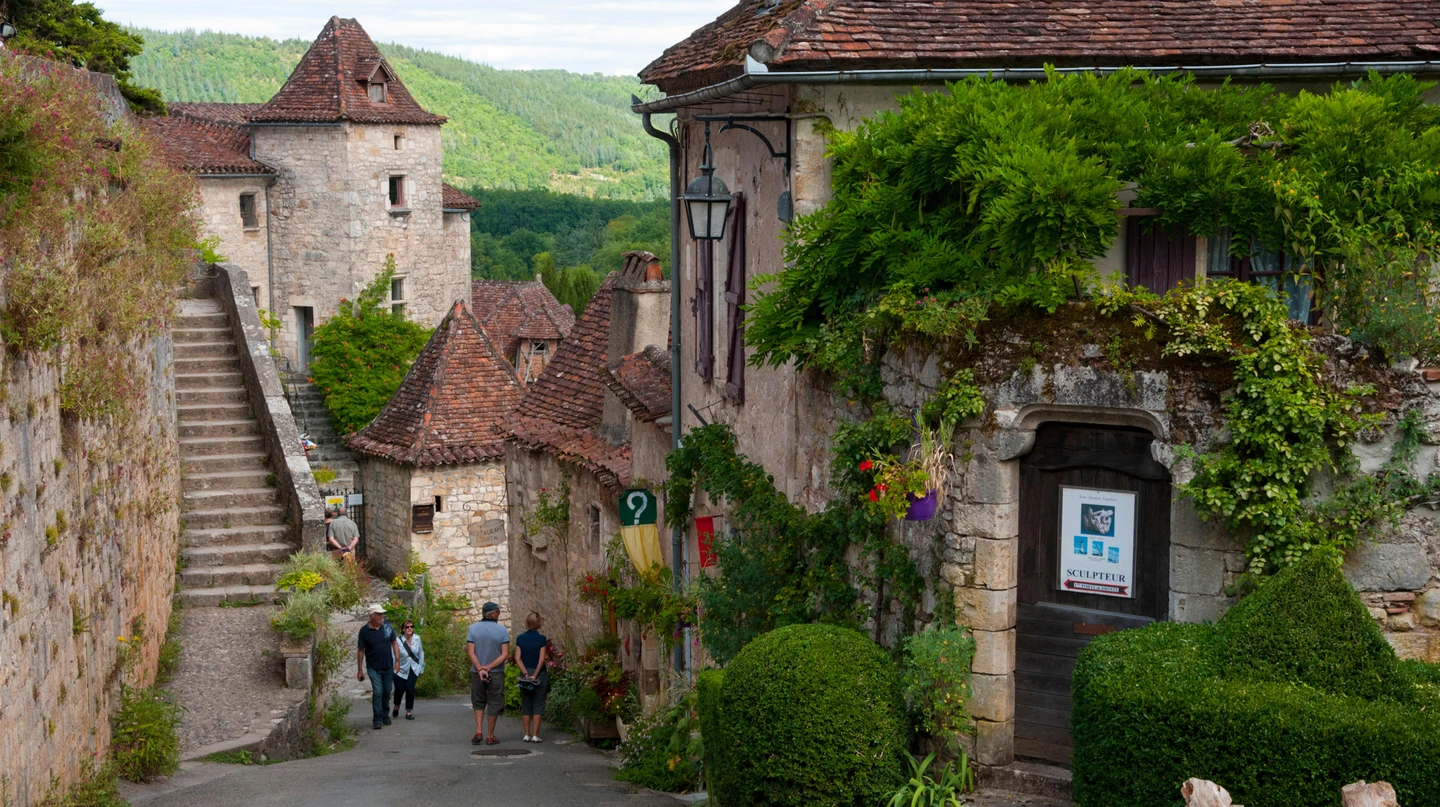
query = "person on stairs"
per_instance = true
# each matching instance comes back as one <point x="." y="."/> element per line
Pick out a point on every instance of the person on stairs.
<point x="412" y="663"/>
<point x="378" y="656"/>
<point x="344" y="535"/>
<point x="490" y="641"/>
<point x="530" y="653"/>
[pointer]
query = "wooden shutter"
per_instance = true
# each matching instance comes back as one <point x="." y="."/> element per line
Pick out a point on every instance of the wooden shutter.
<point x="703" y="306"/>
<point x="1157" y="259"/>
<point x="422" y="518"/>
<point x="734" y="298"/>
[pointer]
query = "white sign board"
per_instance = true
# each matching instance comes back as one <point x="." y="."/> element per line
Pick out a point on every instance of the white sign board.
<point x="1097" y="542"/>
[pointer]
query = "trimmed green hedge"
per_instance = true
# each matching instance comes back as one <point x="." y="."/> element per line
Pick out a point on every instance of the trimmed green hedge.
<point x="1270" y="722"/>
<point x="807" y="714"/>
<point x="707" y="703"/>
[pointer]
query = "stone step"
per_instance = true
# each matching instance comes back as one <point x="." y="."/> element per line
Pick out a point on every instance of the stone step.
<point x="248" y="535"/>
<point x="186" y="381"/>
<point x="224" y="364"/>
<point x="201" y="597"/>
<point x="249" y="574"/>
<point x="235" y="517"/>
<point x="203" y="336"/>
<point x="248" y="478"/>
<point x="196" y="320"/>
<point x="206" y="350"/>
<point x="207" y="413"/>
<point x="252" y="461"/>
<point x="220" y="428"/>
<point x="211" y="395"/>
<point x="228" y="498"/>
<point x="198" y="557"/>
<point x="210" y="446"/>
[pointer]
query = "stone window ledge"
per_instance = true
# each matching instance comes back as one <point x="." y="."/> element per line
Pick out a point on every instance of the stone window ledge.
<point x="399" y="211"/>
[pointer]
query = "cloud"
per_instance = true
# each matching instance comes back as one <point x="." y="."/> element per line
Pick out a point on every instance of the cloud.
<point x="608" y="36"/>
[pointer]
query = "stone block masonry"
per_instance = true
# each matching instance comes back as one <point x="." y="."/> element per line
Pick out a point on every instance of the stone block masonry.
<point x="89" y="524"/>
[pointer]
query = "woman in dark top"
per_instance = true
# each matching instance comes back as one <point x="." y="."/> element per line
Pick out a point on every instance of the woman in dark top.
<point x="534" y="677"/>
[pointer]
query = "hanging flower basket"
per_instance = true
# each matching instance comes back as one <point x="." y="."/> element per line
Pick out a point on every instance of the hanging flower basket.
<point x="922" y="508"/>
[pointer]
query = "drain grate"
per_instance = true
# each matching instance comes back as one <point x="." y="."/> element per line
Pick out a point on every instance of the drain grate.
<point x="500" y="752"/>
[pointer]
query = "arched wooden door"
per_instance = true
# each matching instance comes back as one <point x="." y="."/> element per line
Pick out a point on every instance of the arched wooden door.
<point x="1094" y="558"/>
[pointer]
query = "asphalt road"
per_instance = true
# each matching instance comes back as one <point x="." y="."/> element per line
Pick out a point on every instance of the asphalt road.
<point x="427" y="761"/>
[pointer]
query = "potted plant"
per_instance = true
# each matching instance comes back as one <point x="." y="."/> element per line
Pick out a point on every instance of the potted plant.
<point x="911" y="489"/>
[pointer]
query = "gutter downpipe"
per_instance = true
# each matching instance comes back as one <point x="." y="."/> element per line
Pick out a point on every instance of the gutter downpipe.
<point x="753" y="78"/>
<point x="677" y="535"/>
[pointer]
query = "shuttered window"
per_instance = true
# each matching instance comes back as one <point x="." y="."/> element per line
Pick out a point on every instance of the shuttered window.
<point x="1155" y="258"/>
<point x="422" y="518"/>
<point x="703" y="306"/>
<point x="734" y="299"/>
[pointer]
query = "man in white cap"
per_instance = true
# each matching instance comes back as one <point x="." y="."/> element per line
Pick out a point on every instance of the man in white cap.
<point x="378" y="656"/>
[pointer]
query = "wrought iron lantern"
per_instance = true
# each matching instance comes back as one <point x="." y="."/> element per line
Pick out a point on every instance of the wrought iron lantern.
<point x="707" y="204"/>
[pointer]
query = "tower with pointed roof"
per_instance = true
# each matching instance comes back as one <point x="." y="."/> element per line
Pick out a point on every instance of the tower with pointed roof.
<point x="310" y="191"/>
<point x="432" y="464"/>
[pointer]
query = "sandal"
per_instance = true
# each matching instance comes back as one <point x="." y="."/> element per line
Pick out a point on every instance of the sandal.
<point x="409" y="716"/>
<point x="477" y="739"/>
<point x="491" y="741"/>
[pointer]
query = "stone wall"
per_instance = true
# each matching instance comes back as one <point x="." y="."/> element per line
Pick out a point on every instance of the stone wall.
<point x="332" y="225"/>
<point x="87" y="563"/>
<point x="467" y="551"/>
<point x="245" y="247"/>
<point x="387" y="514"/>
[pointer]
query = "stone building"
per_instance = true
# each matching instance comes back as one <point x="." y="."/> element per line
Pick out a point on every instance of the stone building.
<point x="791" y="71"/>
<point x="579" y="429"/>
<point x="432" y="464"/>
<point x="310" y="191"/>
<point x="525" y="320"/>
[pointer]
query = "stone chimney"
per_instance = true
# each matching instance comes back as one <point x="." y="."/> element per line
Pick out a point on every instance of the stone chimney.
<point x="639" y="316"/>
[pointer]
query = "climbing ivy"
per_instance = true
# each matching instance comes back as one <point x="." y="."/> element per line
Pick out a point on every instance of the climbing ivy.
<point x="787" y="566"/>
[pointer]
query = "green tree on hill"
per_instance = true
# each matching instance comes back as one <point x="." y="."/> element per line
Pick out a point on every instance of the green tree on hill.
<point x="76" y="33"/>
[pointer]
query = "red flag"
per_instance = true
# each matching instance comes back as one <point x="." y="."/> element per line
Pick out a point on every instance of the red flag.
<point x="705" y="536"/>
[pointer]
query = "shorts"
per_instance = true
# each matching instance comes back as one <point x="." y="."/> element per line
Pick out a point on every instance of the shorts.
<point x="533" y="702"/>
<point x="488" y="697"/>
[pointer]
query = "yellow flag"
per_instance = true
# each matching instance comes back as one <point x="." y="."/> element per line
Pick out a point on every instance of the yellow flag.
<point x="639" y="531"/>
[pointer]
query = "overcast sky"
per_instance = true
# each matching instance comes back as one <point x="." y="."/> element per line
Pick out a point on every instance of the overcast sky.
<point x="586" y="36"/>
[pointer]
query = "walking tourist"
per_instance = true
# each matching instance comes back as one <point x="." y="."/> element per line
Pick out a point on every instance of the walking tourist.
<point x="343" y="535"/>
<point x="412" y="663"/>
<point x="378" y="656"/>
<point x="487" y="643"/>
<point x="530" y="654"/>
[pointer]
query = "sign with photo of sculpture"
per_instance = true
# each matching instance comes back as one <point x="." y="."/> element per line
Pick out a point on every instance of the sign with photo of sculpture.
<point x="1097" y="542"/>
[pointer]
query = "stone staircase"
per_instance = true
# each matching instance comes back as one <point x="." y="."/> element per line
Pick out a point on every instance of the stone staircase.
<point x="235" y="535"/>
<point x="313" y="419"/>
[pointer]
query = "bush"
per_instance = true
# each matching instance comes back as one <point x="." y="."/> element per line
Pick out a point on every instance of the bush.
<point x="95" y="788"/>
<point x="361" y="354"/>
<point x="660" y="753"/>
<point x="303" y="614"/>
<point x="936" y="677"/>
<point x="1155" y="706"/>
<point x="560" y="702"/>
<point x="808" y="714"/>
<point x="143" y="740"/>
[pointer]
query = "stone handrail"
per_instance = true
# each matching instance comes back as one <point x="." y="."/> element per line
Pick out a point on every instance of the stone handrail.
<point x="298" y="491"/>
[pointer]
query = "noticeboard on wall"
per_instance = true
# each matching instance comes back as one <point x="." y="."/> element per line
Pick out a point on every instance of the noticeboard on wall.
<point x="1097" y="542"/>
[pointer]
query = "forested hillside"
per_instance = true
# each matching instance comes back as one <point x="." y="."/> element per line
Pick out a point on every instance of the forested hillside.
<point x="513" y="129"/>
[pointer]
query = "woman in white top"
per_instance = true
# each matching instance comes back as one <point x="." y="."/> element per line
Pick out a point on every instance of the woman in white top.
<point x="412" y="663"/>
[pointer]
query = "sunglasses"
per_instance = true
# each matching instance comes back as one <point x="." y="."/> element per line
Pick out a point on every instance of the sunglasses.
<point x="407" y="627"/>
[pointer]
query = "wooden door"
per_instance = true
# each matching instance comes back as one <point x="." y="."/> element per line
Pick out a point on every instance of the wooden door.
<point x="1056" y="617"/>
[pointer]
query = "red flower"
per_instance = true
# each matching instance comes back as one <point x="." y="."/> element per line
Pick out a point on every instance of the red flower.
<point x="882" y="488"/>
<point x="874" y="494"/>
<point x="866" y="465"/>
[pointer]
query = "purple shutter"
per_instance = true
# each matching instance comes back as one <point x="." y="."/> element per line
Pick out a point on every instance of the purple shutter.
<point x="734" y="299"/>
<point x="1157" y="259"/>
<point x="704" y="308"/>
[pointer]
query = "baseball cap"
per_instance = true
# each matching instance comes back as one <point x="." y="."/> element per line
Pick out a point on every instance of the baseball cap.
<point x="489" y="607"/>
<point x="377" y="608"/>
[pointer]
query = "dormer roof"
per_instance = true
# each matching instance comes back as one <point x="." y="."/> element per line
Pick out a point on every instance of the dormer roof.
<point x="330" y="84"/>
<point x="510" y="311"/>
<point x="451" y="403"/>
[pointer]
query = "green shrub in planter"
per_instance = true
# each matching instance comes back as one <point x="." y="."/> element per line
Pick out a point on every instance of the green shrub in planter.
<point x="809" y="714"/>
<point x="1155" y="706"/>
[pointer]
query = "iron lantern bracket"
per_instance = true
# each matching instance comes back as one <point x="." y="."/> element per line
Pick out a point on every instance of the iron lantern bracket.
<point x="740" y="121"/>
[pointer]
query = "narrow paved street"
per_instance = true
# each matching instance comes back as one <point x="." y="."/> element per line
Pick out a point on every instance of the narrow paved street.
<point x="427" y="761"/>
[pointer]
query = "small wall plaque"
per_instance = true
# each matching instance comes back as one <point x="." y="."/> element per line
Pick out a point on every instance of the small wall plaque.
<point x="422" y="518"/>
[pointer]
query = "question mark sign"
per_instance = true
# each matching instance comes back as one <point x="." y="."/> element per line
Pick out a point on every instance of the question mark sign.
<point x="630" y="501"/>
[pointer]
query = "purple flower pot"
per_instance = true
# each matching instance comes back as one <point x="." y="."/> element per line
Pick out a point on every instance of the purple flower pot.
<point x="923" y="508"/>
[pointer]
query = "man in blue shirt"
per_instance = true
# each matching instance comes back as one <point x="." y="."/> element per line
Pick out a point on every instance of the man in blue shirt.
<point x="487" y="643"/>
<point x="378" y="656"/>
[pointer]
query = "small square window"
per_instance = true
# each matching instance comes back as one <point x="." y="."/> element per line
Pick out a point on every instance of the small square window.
<point x="377" y="92"/>
<point x="439" y="504"/>
<point x="247" y="210"/>
<point x="397" y="310"/>
<point x="397" y="192"/>
<point x="594" y="528"/>
<point x="397" y="289"/>
<point x="398" y="139"/>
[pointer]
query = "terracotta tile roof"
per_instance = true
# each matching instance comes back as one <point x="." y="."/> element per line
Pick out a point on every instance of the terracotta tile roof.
<point x="642" y="382"/>
<point x="609" y="463"/>
<point x="866" y="34"/>
<point x="329" y="84"/>
<point x="197" y="147"/>
<point x="505" y="308"/>
<point x="233" y="114"/>
<point x="448" y="407"/>
<point x="454" y="199"/>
